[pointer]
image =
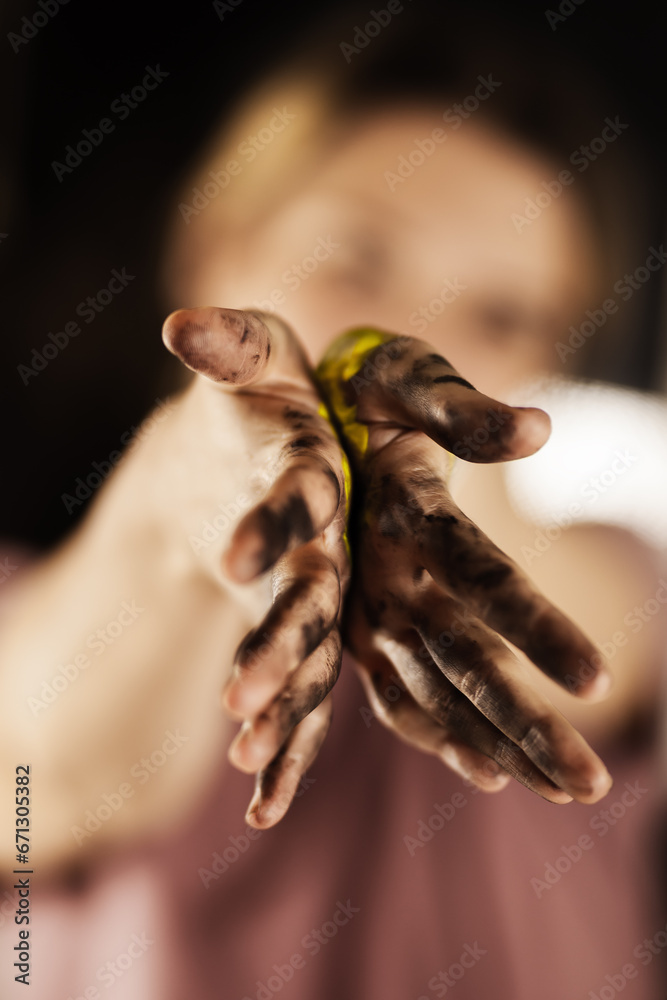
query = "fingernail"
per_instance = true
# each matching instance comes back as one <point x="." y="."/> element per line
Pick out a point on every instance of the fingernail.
<point x="243" y="566"/>
<point x="229" y="695"/>
<point x="602" y="683"/>
<point x="606" y="781"/>
<point x="599" y="686"/>
<point x="239" y="739"/>
<point x="252" y="750"/>
<point x="251" y="696"/>
<point x="253" y="812"/>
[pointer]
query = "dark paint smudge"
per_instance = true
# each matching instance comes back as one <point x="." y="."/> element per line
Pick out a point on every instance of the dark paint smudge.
<point x="455" y="379"/>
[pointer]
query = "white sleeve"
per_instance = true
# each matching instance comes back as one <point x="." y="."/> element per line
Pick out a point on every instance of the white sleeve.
<point x="606" y="459"/>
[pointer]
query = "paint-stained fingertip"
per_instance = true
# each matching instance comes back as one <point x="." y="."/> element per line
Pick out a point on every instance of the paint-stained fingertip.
<point x="597" y="786"/>
<point x="532" y="429"/>
<point x="261" y="815"/>
<point x="239" y="566"/>
<point x="252" y="748"/>
<point x="227" y="346"/>
<point x="254" y="549"/>
<point x="227" y="699"/>
<point x="558" y="797"/>
<point x="237" y="753"/>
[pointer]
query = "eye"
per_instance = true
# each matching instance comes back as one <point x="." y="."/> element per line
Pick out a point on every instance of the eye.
<point x="503" y="320"/>
<point x="500" y="320"/>
<point x="361" y="265"/>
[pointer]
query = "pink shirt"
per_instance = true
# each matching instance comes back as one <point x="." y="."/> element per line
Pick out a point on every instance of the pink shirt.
<point x="389" y="879"/>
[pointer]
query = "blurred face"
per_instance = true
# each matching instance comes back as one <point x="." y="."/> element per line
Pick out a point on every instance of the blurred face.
<point x="434" y="253"/>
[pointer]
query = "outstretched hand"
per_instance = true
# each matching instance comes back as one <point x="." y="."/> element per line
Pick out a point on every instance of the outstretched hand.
<point x="432" y="597"/>
<point x="255" y="402"/>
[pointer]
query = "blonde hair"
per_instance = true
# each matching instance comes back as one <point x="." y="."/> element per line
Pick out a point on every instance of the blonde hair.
<point x="327" y="97"/>
<point x="276" y="172"/>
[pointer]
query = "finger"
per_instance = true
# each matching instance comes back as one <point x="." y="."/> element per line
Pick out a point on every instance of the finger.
<point x="465" y="725"/>
<point x="403" y="381"/>
<point x="259" y="740"/>
<point x="304" y="611"/>
<point x="434" y="398"/>
<point x="299" y="506"/>
<point x="488" y="674"/>
<point x="399" y="712"/>
<point x="470" y="568"/>
<point x="223" y="345"/>
<point x="277" y="784"/>
<point x="237" y="349"/>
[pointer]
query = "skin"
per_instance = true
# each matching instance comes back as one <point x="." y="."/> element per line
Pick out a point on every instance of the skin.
<point x="285" y="668"/>
<point x="423" y="568"/>
<point x="450" y="220"/>
<point x="395" y="249"/>
<point x="247" y="435"/>
<point x="420" y="561"/>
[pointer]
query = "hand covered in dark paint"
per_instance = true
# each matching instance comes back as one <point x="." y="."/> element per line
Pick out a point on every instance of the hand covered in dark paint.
<point x="260" y="428"/>
<point x="432" y="595"/>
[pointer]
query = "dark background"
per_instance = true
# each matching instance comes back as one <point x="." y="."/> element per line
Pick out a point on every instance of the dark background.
<point x="63" y="239"/>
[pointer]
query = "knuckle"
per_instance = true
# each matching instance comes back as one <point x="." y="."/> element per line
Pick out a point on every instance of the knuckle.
<point x="306" y="449"/>
<point x="475" y="686"/>
<point x="538" y="739"/>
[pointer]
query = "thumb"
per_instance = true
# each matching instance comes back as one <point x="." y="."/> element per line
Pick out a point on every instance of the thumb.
<point x="235" y="348"/>
<point x="374" y="378"/>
